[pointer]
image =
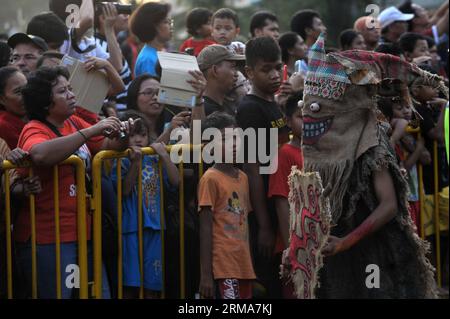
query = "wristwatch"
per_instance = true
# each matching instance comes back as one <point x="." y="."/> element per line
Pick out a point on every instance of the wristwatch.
<point x="199" y="101"/>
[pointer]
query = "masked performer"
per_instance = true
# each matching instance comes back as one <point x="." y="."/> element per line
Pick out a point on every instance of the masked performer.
<point x="372" y="250"/>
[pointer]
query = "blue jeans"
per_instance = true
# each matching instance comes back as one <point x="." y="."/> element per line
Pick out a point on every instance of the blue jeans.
<point x="46" y="269"/>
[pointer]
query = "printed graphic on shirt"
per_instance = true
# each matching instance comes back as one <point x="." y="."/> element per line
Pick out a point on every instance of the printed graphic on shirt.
<point x="234" y="205"/>
<point x="236" y="229"/>
<point x="150" y="187"/>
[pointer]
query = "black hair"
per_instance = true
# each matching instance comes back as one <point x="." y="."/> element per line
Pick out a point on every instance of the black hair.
<point x="226" y="13"/>
<point x="389" y="48"/>
<point x="5" y="73"/>
<point x="347" y="37"/>
<point x="146" y="18"/>
<point x="49" y="27"/>
<point x="37" y="94"/>
<point x="428" y="68"/>
<point x="263" y="48"/>
<point x="109" y="104"/>
<point x="386" y="105"/>
<point x="59" y="7"/>
<point x="141" y="126"/>
<point x="5" y="54"/>
<point x="389" y="94"/>
<point x="302" y="20"/>
<point x="196" y="18"/>
<point x="331" y="50"/>
<point x="48" y="55"/>
<point x="259" y="20"/>
<point x="408" y="41"/>
<point x="407" y="8"/>
<point x="287" y="41"/>
<point x="292" y="104"/>
<point x="218" y="120"/>
<point x="385" y="29"/>
<point x="430" y="41"/>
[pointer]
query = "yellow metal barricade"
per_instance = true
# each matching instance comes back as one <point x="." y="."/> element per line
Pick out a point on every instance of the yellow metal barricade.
<point x="436" y="212"/>
<point x="437" y="220"/>
<point x="97" y="224"/>
<point x="81" y="228"/>
<point x="412" y="130"/>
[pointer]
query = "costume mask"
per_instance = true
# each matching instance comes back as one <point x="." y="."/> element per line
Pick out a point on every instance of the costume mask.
<point x="339" y="111"/>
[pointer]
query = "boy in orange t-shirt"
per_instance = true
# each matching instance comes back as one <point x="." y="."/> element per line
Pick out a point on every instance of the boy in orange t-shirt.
<point x="224" y="204"/>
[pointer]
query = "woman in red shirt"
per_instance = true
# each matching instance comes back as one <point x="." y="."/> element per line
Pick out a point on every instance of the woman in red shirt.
<point x="12" y="110"/>
<point x="53" y="134"/>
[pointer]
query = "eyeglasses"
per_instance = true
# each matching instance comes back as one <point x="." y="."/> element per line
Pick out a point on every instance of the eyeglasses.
<point x="169" y="22"/>
<point x="149" y="92"/>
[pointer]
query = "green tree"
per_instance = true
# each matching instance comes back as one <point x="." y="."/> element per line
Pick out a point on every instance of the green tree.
<point x="213" y="5"/>
<point x="337" y="15"/>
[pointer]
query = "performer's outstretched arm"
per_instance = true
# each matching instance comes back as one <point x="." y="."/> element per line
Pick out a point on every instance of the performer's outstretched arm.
<point x="386" y="210"/>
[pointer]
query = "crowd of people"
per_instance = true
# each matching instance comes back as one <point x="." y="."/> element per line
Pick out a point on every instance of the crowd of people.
<point x="237" y="220"/>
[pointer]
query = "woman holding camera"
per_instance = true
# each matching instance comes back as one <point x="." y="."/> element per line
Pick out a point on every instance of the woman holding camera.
<point x="53" y="134"/>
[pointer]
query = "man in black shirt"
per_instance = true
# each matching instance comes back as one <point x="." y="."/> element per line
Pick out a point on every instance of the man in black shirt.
<point x="259" y="110"/>
<point x="218" y="64"/>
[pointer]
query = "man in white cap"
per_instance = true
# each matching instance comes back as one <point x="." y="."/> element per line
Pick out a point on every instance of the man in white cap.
<point x="393" y="24"/>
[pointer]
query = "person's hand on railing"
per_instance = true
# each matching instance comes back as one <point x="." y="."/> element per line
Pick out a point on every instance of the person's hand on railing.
<point x="160" y="149"/>
<point x="31" y="186"/>
<point x="26" y="186"/>
<point x="170" y="167"/>
<point x="135" y="154"/>
<point x="18" y="156"/>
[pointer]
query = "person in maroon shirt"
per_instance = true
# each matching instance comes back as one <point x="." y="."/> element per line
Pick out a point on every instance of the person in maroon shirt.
<point x="12" y="110"/>
<point x="289" y="155"/>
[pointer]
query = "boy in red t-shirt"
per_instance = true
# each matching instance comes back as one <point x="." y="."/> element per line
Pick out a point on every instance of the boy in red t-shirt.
<point x="198" y="23"/>
<point x="289" y="155"/>
<point x="224" y="204"/>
